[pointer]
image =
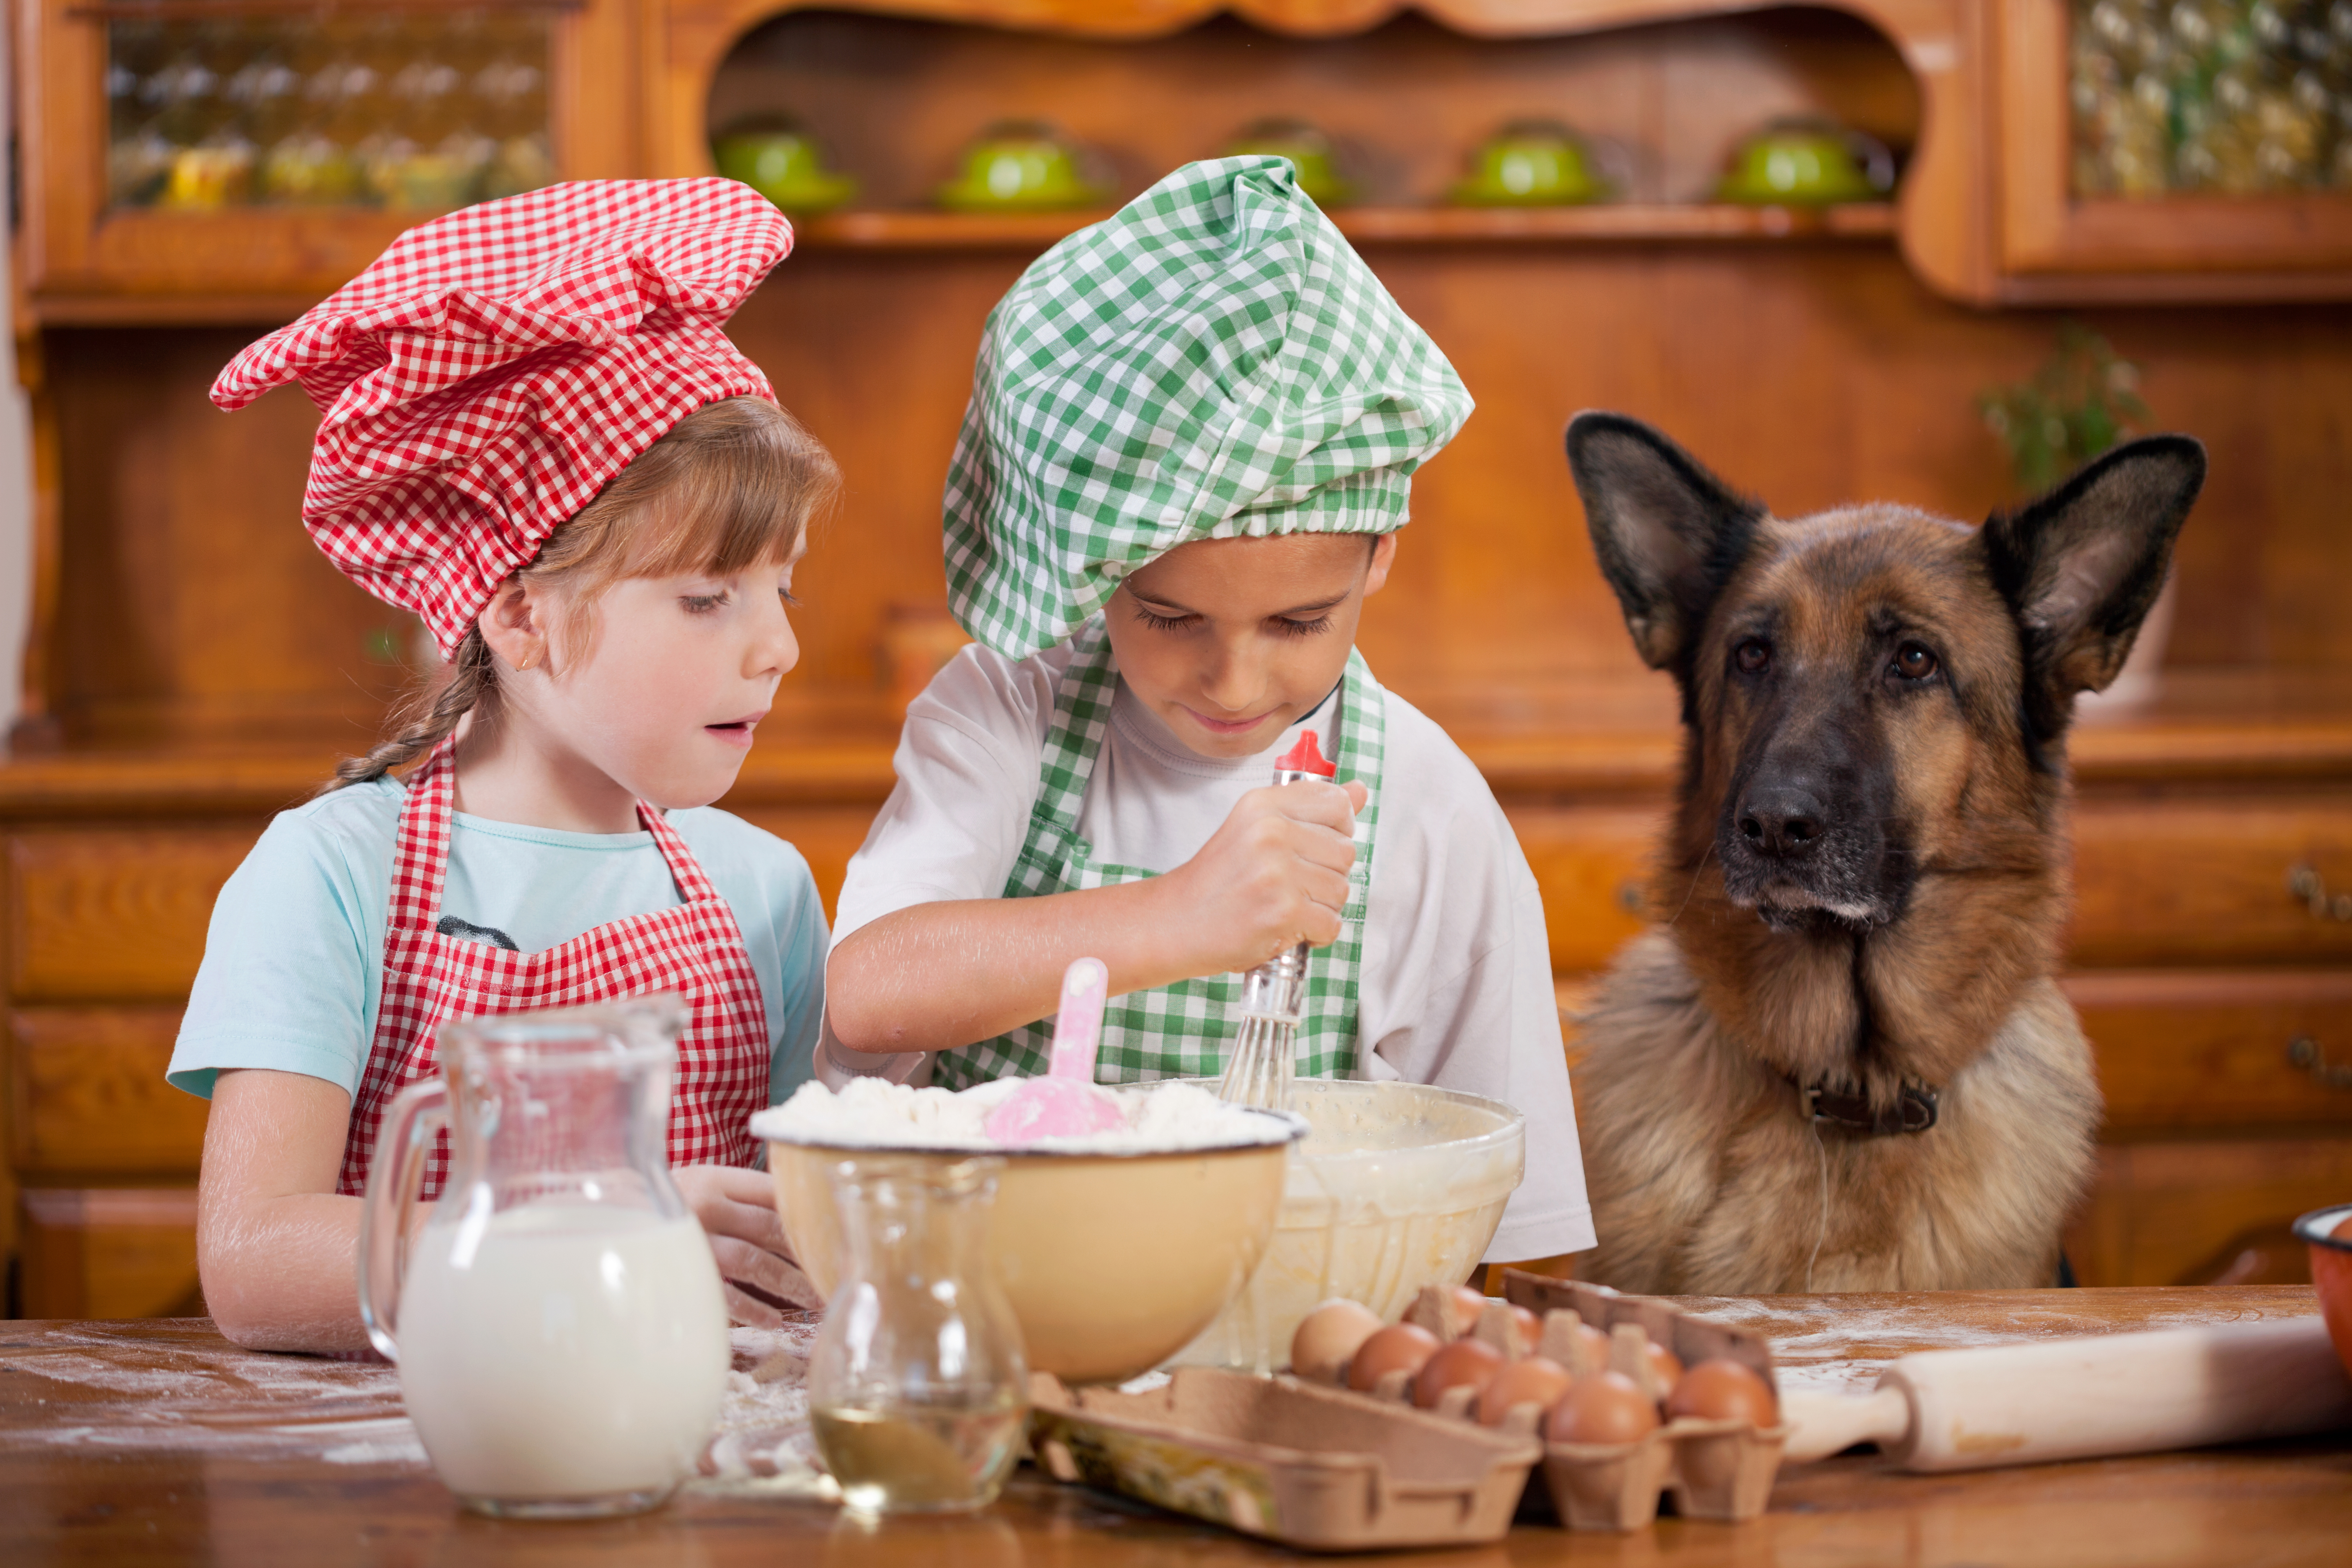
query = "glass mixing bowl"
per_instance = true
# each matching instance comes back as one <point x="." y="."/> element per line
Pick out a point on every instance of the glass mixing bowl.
<point x="1397" y="1185"/>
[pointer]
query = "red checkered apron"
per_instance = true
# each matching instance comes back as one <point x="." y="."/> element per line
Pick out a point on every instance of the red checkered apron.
<point x="693" y="951"/>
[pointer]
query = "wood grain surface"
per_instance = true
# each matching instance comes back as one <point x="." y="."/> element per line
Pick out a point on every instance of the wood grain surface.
<point x="159" y="1444"/>
<point x="113" y="916"/>
<point x="87" y="1095"/>
<point x="110" y="1252"/>
<point x="2188" y="1208"/>
<point x="2202" y="1049"/>
<point x="2190" y="881"/>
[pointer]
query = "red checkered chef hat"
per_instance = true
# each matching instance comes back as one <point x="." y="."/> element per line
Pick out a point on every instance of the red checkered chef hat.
<point x="487" y="375"/>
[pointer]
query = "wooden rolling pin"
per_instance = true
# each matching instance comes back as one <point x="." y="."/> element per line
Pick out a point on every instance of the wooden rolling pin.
<point x="2079" y="1398"/>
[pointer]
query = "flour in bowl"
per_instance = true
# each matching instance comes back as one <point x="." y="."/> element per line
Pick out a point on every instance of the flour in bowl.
<point x="872" y="1113"/>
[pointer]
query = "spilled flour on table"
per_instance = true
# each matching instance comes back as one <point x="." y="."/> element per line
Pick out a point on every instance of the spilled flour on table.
<point x="192" y="1396"/>
<point x="763" y="1442"/>
<point x="400" y="1449"/>
<point x="1827" y="1349"/>
<point x="177" y="1389"/>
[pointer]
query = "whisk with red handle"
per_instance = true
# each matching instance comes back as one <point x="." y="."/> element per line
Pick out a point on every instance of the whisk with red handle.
<point x="1273" y="995"/>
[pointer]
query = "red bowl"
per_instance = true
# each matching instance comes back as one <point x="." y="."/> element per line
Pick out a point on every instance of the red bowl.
<point x="2331" y="1271"/>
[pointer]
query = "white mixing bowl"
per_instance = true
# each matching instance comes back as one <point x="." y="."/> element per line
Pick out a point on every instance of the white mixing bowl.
<point x="1396" y="1186"/>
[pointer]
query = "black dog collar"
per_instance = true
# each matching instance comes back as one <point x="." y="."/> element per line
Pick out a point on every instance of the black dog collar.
<point x="1914" y="1112"/>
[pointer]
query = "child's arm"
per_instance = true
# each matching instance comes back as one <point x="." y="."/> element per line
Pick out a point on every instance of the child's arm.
<point x="939" y="976"/>
<point x="274" y="1244"/>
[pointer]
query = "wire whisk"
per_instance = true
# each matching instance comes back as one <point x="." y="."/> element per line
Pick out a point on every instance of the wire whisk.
<point x="1260" y="1069"/>
<point x="1274" y="992"/>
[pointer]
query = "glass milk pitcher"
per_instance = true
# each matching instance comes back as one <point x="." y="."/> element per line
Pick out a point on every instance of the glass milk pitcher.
<point x="557" y="1322"/>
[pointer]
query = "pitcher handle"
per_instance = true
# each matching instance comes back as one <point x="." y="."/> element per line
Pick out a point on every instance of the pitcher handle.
<point x="409" y="1123"/>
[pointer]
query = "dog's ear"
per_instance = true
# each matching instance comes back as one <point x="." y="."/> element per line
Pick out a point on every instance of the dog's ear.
<point x="1668" y="532"/>
<point x="2081" y="566"/>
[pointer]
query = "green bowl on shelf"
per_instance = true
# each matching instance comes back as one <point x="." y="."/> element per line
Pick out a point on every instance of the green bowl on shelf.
<point x="1531" y="163"/>
<point x="1310" y="152"/>
<point x="1020" y="166"/>
<point x="1807" y="163"/>
<point x="781" y="161"/>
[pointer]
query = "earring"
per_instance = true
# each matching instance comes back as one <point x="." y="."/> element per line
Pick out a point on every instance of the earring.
<point x="529" y="659"/>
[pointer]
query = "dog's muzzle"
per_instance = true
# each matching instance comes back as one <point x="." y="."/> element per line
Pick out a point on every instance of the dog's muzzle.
<point x="1793" y="859"/>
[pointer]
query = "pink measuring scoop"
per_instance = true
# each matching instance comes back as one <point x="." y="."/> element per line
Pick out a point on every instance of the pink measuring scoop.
<point x="1065" y="1103"/>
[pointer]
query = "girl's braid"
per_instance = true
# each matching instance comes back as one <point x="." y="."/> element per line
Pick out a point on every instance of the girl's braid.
<point x="429" y="718"/>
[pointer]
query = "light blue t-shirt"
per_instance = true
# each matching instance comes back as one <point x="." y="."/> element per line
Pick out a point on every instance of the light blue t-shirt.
<point x="293" y="968"/>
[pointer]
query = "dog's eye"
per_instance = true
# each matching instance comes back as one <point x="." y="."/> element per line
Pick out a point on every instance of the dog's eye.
<point x="1753" y="657"/>
<point x="1913" y="662"/>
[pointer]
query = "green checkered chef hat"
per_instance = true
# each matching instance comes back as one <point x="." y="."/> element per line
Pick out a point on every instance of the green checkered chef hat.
<point x="1215" y="360"/>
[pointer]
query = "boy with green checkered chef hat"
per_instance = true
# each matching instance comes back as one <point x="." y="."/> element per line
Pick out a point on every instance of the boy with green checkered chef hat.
<point x="1192" y="440"/>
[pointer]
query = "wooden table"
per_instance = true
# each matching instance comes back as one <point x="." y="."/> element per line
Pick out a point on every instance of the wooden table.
<point x="157" y="1442"/>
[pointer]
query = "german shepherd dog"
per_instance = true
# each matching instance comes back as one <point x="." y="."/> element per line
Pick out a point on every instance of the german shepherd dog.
<point x="1840" y="1061"/>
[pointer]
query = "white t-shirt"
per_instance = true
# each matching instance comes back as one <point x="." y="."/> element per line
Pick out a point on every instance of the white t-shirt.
<point x="293" y="968"/>
<point x="1456" y="988"/>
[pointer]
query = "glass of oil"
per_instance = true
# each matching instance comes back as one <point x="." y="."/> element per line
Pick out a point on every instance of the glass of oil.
<point x="918" y="1385"/>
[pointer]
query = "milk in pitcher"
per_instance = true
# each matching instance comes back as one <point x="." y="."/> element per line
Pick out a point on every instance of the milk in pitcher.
<point x="568" y="1350"/>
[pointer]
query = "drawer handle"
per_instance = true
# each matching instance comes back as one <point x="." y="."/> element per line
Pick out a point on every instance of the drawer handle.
<point x="2303" y="1051"/>
<point x="2303" y="880"/>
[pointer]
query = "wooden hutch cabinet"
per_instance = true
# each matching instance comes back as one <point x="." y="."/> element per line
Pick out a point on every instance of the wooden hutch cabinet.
<point x="196" y="665"/>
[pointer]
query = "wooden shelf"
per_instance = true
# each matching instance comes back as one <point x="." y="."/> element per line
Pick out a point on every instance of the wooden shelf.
<point x="1606" y="222"/>
<point x="1614" y="221"/>
<point x="352" y="237"/>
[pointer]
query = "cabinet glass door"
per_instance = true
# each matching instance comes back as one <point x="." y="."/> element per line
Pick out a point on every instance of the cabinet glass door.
<point x="414" y="111"/>
<point x="2234" y="97"/>
<point x="2174" y="150"/>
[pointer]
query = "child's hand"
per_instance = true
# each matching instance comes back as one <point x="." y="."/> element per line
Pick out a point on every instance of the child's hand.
<point x="1273" y="875"/>
<point x="738" y="1211"/>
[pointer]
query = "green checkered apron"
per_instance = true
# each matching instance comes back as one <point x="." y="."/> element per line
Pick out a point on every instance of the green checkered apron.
<point x="1182" y="1030"/>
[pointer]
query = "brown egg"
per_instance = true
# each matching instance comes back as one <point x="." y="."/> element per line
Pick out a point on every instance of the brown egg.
<point x="1400" y="1347"/>
<point x="1470" y="1361"/>
<point x="1534" y="1381"/>
<point x="1724" y="1390"/>
<point x="1607" y="1407"/>
<point x="1327" y="1336"/>
<point x="1666" y="1364"/>
<point x="1463" y="1306"/>
<point x="1528" y="1329"/>
<point x="1596" y="1347"/>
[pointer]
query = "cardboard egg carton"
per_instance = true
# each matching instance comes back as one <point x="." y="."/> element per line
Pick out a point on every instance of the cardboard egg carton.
<point x="1285" y="1459"/>
<point x="1715" y="1470"/>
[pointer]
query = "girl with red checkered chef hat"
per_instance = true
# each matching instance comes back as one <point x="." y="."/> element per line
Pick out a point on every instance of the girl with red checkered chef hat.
<point x="537" y="437"/>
